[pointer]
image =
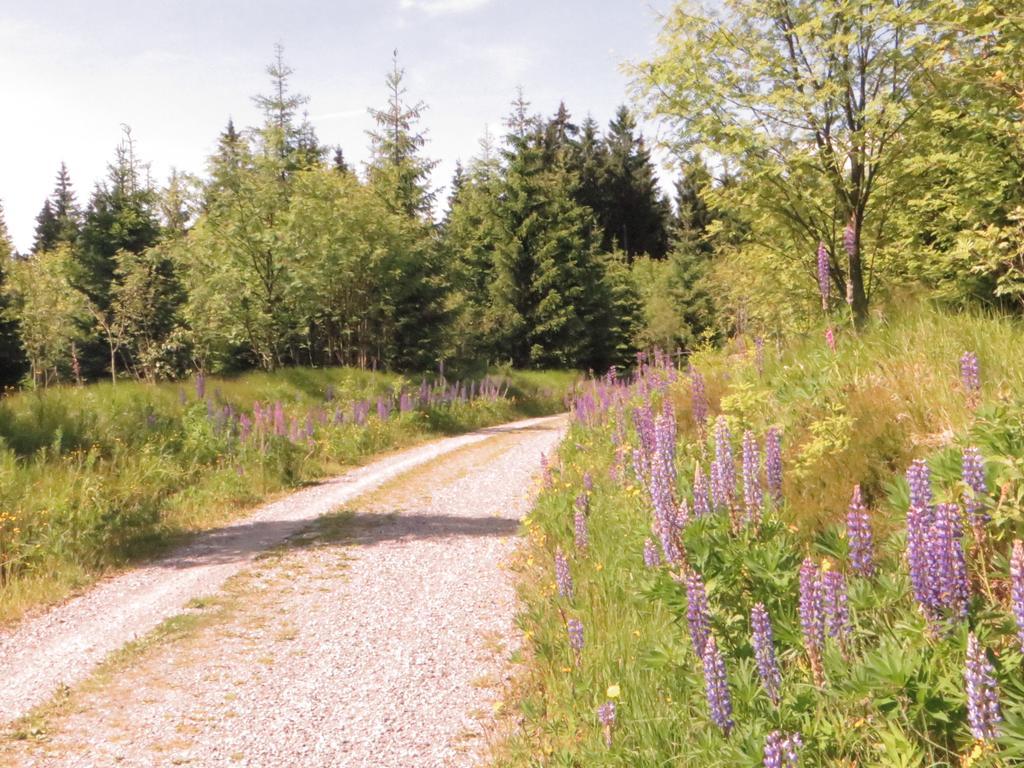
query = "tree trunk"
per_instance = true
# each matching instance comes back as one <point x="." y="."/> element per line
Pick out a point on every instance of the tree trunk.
<point x="856" y="297"/>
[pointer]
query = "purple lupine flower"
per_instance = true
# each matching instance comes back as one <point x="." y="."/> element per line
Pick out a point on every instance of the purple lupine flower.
<point x="947" y="565"/>
<point x="919" y="522"/>
<point x="280" y="429"/>
<point x="699" y="398"/>
<point x="563" y="578"/>
<point x="200" y="386"/>
<point x="1017" y="587"/>
<point x="782" y="750"/>
<point x="753" y="497"/>
<point x="716" y="685"/>
<point x="974" y="478"/>
<point x="764" y="652"/>
<point x="683" y="515"/>
<point x="723" y="471"/>
<point x="580" y="533"/>
<point x="824" y="280"/>
<point x="859" y="536"/>
<point x="574" y="628"/>
<point x="244" y="427"/>
<point x="970" y="372"/>
<point x="837" y="610"/>
<point x="697" y="612"/>
<point x="773" y="464"/>
<point x="850" y="239"/>
<point x="588" y="482"/>
<point x="919" y="479"/>
<point x="701" y="501"/>
<point x="812" y="616"/>
<point x="606" y="716"/>
<point x="982" y="692"/>
<point x="830" y="338"/>
<point x="652" y="558"/>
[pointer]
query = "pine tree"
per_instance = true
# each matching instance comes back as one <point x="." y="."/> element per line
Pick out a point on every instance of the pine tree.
<point x="59" y="221"/>
<point x="397" y="169"/>
<point x="338" y="162"/>
<point x="231" y="158"/>
<point x="560" y="136"/>
<point x="692" y="212"/>
<point x="634" y="213"/>
<point x="121" y="216"/>
<point x="288" y="144"/>
<point x="12" y="358"/>
<point x="543" y="257"/>
<point x="47" y="229"/>
<point x="588" y="162"/>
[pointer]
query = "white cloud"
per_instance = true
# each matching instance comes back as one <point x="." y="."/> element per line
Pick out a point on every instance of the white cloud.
<point x="437" y="7"/>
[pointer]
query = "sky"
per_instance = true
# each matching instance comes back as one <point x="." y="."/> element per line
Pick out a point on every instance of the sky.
<point x="72" y="72"/>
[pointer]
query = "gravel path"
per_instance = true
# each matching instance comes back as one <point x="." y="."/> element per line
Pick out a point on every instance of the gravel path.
<point x="382" y="649"/>
<point x="62" y="645"/>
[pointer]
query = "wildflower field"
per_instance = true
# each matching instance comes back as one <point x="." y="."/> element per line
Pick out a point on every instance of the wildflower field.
<point x="91" y="477"/>
<point x="804" y="555"/>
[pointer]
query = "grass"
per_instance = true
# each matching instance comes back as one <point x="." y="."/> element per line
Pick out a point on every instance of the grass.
<point x="894" y="695"/>
<point x="97" y="477"/>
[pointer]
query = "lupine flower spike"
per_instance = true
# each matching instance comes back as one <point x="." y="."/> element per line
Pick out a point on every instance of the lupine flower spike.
<point x="859" y="537"/>
<point x="563" y="578"/>
<point x="830" y="338"/>
<point x="1017" y="588"/>
<point x="652" y="558"/>
<point x="753" y="497"/>
<point x="580" y="532"/>
<point x="837" y="612"/>
<point x="574" y="627"/>
<point x="824" y="281"/>
<point x="764" y="652"/>
<point x="606" y="715"/>
<point x="970" y="375"/>
<point x="974" y="479"/>
<point x="697" y="612"/>
<point x="982" y="692"/>
<point x="812" y="617"/>
<point x="716" y="686"/>
<point x="782" y="750"/>
<point x="773" y="464"/>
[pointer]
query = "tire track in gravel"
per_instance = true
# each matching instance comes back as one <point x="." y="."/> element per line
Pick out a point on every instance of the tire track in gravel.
<point x="381" y="648"/>
<point x="62" y="645"/>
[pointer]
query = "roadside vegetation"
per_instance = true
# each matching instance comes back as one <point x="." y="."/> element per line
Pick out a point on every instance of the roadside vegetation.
<point x="866" y="497"/>
<point x="93" y="477"/>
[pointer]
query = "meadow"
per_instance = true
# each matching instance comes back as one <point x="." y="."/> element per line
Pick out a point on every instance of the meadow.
<point x="95" y="477"/>
<point x="785" y="554"/>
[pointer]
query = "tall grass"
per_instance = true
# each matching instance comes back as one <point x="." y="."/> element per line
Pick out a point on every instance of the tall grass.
<point x="94" y="477"/>
<point x="895" y="694"/>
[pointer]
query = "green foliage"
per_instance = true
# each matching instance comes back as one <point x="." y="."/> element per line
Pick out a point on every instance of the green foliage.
<point x="48" y="309"/>
<point x="894" y="695"/>
<point x="93" y="477"/>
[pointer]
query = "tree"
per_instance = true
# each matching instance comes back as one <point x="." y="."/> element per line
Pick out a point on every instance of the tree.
<point x="808" y="99"/>
<point x="397" y="169"/>
<point x="292" y="145"/>
<point x="232" y="158"/>
<point x="121" y="217"/>
<point x="588" y="163"/>
<point x="543" y="257"/>
<point x="12" y="359"/>
<point x="144" y="321"/>
<point x="49" y="311"/>
<point x="633" y="212"/>
<point x="59" y="221"/>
